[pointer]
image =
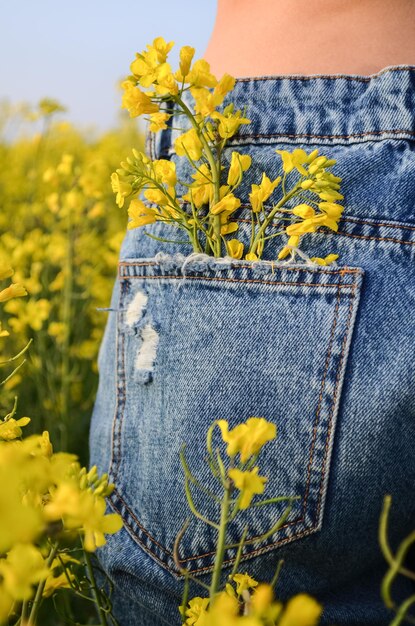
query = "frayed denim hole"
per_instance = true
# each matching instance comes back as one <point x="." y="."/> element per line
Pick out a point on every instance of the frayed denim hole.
<point x="145" y="358"/>
<point x="135" y="310"/>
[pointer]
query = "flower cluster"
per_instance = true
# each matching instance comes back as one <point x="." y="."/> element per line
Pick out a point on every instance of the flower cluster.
<point x="206" y="212"/>
<point x="251" y="604"/>
<point x="46" y="501"/>
<point x="243" y="601"/>
<point x="64" y="245"/>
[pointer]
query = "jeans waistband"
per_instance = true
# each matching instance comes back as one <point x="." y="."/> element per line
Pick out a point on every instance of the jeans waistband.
<point x="327" y="109"/>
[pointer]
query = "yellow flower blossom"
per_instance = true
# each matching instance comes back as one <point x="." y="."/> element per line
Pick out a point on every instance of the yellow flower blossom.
<point x="146" y="62"/>
<point x="251" y="256"/>
<point x="224" y="612"/>
<point x="166" y="82"/>
<point x="247" y="438"/>
<point x="249" y="483"/>
<point x="121" y="188"/>
<point x="13" y="291"/>
<point x="331" y="209"/>
<point x="304" y="210"/>
<point x="229" y="123"/>
<point x="330" y="258"/>
<point x="228" y="203"/>
<point x="140" y="214"/>
<point x="310" y="225"/>
<point x="235" y="248"/>
<point x="292" y="241"/>
<point x="330" y="195"/>
<point x="23" y="567"/>
<point x="194" y="610"/>
<point x="301" y="610"/>
<point x="53" y="583"/>
<point x="260" y="193"/>
<point x="165" y="171"/>
<point x="158" y="121"/>
<point x="200" y="75"/>
<point x="82" y="511"/>
<point x="186" y="57"/>
<point x="3" y="333"/>
<point x="228" y="228"/>
<point x="294" y="159"/>
<point x="161" y="47"/>
<point x="202" y="189"/>
<point x="189" y="143"/>
<point x="136" y="101"/>
<point x="224" y="86"/>
<point x="239" y="164"/>
<point x="243" y="582"/>
<point x="156" y="196"/>
<point x="12" y="429"/>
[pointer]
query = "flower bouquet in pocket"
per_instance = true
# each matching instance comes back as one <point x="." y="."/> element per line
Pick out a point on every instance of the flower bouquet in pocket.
<point x="205" y="213"/>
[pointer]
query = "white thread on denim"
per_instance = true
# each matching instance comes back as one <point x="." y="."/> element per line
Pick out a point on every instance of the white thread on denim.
<point x="135" y="308"/>
<point x="147" y="352"/>
<point x="302" y="255"/>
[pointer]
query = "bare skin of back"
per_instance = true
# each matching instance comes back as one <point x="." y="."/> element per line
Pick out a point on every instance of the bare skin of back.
<point x="306" y="37"/>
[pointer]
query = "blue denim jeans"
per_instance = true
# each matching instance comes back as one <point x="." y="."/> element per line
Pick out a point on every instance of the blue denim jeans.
<point x="324" y="352"/>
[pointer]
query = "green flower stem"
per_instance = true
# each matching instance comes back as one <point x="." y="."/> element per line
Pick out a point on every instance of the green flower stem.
<point x="239" y="553"/>
<point x="213" y="168"/>
<point x="220" y="548"/>
<point x="100" y="612"/>
<point x="39" y="592"/>
<point x="271" y="215"/>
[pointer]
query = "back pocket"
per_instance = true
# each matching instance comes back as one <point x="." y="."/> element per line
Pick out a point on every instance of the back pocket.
<point x="199" y="341"/>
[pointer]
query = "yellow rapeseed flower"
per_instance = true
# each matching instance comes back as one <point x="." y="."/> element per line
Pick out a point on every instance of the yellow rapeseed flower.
<point x="228" y="227"/>
<point x="294" y="159"/>
<point x="166" y="82"/>
<point x="260" y="193"/>
<point x="23" y="567"/>
<point x="200" y="75"/>
<point x="239" y="164"/>
<point x="189" y="143"/>
<point x="292" y="241"/>
<point x="304" y="210"/>
<point x="136" y="101"/>
<point x="247" y="438"/>
<point x="235" y="248"/>
<point x="13" y="291"/>
<point x="158" y="121"/>
<point x="301" y="610"/>
<point x="121" y="188"/>
<point x="165" y="171"/>
<point x="140" y="214"/>
<point x="229" y="123"/>
<point x="331" y="209"/>
<point x="243" y="582"/>
<point x="186" y="58"/>
<point x="330" y="258"/>
<point x="53" y="583"/>
<point x="310" y="225"/>
<point x="195" y="609"/>
<point x="249" y="484"/>
<point x="12" y="429"/>
<point x="201" y="190"/>
<point x="251" y="256"/>
<point x="228" y="203"/>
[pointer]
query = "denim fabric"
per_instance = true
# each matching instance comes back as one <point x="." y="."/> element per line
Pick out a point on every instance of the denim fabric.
<point x="324" y="352"/>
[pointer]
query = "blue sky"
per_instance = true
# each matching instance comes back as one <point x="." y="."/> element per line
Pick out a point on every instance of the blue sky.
<point x="76" y="51"/>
